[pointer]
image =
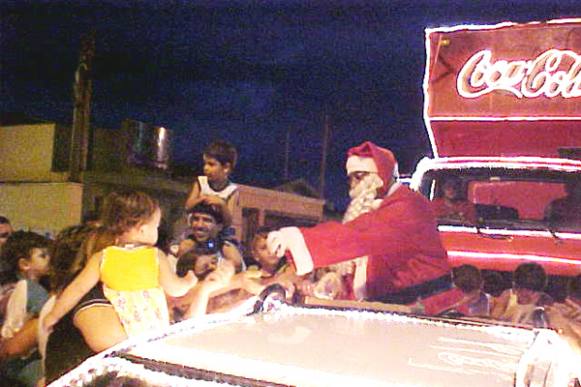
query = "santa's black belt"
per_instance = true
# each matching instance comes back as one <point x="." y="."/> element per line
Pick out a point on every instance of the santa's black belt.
<point x="423" y="290"/>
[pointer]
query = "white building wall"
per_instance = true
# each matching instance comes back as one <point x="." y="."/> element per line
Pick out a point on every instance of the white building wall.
<point x="41" y="207"/>
<point x="26" y="153"/>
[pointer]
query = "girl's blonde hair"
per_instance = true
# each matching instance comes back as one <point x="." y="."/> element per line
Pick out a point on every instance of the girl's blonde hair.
<point x="125" y="210"/>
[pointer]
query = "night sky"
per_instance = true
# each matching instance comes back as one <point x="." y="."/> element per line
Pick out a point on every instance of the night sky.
<point x="245" y="71"/>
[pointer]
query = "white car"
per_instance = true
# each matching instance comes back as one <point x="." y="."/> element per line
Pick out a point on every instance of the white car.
<point x="284" y="345"/>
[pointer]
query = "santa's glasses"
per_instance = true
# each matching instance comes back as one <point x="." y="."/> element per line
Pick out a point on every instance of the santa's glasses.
<point x="356" y="177"/>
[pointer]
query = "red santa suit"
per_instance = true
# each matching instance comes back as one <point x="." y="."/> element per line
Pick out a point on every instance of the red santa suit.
<point x="399" y="238"/>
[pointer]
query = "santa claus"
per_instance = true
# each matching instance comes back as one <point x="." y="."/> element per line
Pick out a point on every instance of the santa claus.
<point x="390" y="232"/>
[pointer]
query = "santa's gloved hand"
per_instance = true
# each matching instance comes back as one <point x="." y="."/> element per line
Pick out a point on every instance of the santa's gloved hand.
<point x="276" y="243"/>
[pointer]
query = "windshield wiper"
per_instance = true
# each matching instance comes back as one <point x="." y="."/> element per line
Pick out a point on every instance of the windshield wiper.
<point x="549" y="227"/>
<point x="480" y="223"/>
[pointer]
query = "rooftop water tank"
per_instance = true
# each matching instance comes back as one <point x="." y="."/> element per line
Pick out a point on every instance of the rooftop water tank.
<point x="148" y="145"/>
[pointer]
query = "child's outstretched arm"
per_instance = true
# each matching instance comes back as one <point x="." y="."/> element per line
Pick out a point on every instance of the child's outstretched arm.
<point x="81" y="285"/>
<point x="215" y="281"/>
<point x="170" y="282"/>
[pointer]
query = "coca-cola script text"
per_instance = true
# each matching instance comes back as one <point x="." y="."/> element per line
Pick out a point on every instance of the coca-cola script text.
<point x="552" y="73"/>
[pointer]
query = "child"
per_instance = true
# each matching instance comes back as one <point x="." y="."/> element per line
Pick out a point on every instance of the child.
<point x="269" y="265"/>
<point x="201" y="259"/>
<point x="525" y="303"/>
<point x="273" y="270"/>
<point x="206" y="222"/>
<point x="452" y="205"/>
<point x="219" y="161"/>
<point x="220" y="288"/>
<point x="565" y="317"/>
<point x="134" y="273"/>
<point x="475" y="302"/>
<point x="494" y="283"/>
<point x="27" y="258"/>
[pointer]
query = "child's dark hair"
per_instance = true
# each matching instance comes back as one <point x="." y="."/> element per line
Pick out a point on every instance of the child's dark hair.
<point x="124" y="210"/>
<point x="494" y="283"/>
<point x="20" y="245"/>
<point x="213" y="210"/>
<point x="574" y="288"/>
<point x="187" y="260"/>
<point x="258" y="236"/>
<point x="222" y="151"/>
<point x="530" y="276"/>
<point x="467" y="278"/>
<point x="261" y="233"/>
<point x="185" y="263"/>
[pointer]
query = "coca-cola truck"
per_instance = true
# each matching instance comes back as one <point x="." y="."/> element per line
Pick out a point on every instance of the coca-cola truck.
<point x="503" y="113"/>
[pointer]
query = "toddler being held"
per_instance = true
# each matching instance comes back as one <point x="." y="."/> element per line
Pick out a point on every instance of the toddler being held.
<point x="135" y="274"/>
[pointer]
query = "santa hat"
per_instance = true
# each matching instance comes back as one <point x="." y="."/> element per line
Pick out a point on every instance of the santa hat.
<point x="369" y="157"/>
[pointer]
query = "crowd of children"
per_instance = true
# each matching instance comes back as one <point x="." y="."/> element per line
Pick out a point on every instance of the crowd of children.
<point x="26" y="257"/>
<point x="114" y="264"/>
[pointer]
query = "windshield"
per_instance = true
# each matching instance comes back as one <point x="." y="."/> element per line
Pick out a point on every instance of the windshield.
<point x="507" y="198"/>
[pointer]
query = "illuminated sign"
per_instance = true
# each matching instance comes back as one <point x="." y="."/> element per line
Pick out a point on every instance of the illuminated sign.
<point x="503" y="90"/>
<point x="552" y="73"/>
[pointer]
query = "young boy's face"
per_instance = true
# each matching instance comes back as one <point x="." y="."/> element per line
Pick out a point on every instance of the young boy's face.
<point x="526" y="296"/>
<point x="36" y="265"/>
<point x="261" y="253"/>
<point x="215" y="170"/>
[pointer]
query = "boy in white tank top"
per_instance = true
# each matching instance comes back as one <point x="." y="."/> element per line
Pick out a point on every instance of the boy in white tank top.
<point x="215" y="186"/>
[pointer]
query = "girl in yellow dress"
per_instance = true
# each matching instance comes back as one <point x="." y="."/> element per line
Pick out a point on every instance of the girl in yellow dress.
<point x="135" y="274"/>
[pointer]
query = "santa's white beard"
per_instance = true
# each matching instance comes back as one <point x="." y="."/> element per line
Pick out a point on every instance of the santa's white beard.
<point x="363" y="197"/>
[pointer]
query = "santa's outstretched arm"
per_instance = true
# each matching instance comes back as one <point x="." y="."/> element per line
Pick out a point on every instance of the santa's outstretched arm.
<point x="331" y="242"/>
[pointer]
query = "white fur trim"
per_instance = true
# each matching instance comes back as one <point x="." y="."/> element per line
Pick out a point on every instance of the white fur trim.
<point x="393" y="188"/>
<point x="296" y="244"/>
<point x="360" y="164"/>
<point x="395" y="171"/>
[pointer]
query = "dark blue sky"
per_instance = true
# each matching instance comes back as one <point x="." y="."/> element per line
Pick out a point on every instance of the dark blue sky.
<point x="246" y="71"/>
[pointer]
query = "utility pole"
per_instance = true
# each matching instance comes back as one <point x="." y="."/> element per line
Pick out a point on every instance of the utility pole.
<point x="286" y="155"/>
<point x="326" y="130"/>
<point x="82" y="89"/>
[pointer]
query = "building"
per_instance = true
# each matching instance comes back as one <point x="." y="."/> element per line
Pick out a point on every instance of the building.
<point x="36" y="192"/>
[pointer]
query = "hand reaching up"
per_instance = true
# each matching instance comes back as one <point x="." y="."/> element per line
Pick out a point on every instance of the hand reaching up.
<point x="213" y="200"/>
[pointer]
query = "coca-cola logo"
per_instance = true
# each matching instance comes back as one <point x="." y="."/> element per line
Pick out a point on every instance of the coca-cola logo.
<point x="552" y="73"/>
